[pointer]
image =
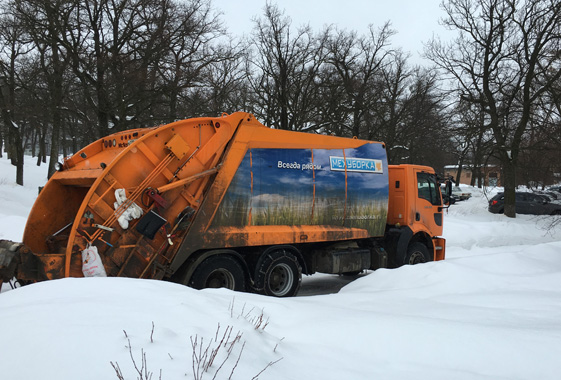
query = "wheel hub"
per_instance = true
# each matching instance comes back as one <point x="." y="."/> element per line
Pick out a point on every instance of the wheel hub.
<point x="281" y="279"/>
<point x="220" y="278"/>
<point x="417" y="258"/>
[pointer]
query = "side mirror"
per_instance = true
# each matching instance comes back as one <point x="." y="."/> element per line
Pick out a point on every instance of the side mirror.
<point x="447" y="194"/>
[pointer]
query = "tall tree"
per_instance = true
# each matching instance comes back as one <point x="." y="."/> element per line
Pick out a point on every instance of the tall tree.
<point x="358" y="62"/>
<point x="44" y="22"/>
<point x="194" y="30"/>
<point x="389" y="112"/>
<point x="283" y="71"/>
<point x="12" y="42"/>
<point x="423" y="129"/>
<point x="504" y="60"/>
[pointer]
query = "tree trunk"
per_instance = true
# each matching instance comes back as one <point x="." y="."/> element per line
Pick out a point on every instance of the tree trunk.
<point x="460" y="169"/>
<point x="474" y="175"/>
<point x="42" y="148"/>
<point x="509" y="183"/>
<point x="16" y="147"/>
<point x="14" y="134"/>
<point x="33" y="142"/>
<point x="55" y="143"/>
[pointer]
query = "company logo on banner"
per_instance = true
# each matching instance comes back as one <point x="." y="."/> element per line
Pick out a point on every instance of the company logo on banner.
<point x="364" y="165"/>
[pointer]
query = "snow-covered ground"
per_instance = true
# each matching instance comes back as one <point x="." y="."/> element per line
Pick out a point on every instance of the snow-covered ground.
<point x="491" y="310"/>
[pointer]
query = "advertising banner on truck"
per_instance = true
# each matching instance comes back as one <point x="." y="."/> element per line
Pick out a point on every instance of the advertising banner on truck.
<point x="342" y="187"/>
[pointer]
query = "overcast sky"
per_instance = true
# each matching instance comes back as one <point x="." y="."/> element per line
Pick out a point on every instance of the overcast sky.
<point x="414" y="20"/>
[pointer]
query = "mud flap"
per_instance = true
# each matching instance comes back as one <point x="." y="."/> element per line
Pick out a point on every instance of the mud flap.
<point x="439" y="248"/>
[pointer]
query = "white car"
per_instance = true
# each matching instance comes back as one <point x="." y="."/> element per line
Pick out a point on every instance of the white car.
<point x="459" y="194"/>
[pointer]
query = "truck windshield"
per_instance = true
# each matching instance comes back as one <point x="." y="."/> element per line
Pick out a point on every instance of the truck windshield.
<point x="428" y="189"/>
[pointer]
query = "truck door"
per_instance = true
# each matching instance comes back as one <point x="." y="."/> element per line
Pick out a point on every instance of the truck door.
<point x="428" y="203"/>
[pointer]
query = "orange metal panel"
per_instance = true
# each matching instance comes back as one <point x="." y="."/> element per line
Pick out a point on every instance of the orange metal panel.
<point x="178" y="146"/>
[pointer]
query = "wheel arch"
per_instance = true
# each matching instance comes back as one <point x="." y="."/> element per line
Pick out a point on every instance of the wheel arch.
<point x="189" y="266"/>
<point x="399" y="240"/>
<point x="424" y="238"/>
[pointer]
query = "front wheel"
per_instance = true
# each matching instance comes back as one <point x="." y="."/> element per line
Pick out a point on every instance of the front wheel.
<point x="417" y="253"/>
<point x="220" y="271"/>
<point x="278" y="274"/>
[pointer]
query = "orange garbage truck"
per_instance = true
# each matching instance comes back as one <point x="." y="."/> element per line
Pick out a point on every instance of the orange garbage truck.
<point x="227" y="202"/>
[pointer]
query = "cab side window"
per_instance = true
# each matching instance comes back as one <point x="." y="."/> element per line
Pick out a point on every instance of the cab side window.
<point x="428" y="189"/>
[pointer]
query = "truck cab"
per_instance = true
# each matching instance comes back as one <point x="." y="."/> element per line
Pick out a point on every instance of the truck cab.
<point x="414" y="215"/>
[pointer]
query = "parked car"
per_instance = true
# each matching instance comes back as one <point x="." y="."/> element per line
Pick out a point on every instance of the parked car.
<point x="526" y="203"/>
<point x="448" y="200"/>
<point x="460" y="194"/>
<point x="551" y="195"/>
<point x="555" y="189"/>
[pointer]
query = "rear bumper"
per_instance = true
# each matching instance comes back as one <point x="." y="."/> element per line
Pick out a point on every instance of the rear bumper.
<point x="494" y="209"/>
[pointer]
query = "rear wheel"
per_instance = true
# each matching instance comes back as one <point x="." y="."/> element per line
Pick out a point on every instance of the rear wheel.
<point x="417" y="253"/>
<point x="278" y="274"/>
<point x="220" y="271"/>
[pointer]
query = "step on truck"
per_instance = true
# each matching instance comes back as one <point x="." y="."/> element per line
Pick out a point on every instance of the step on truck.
<point x="227" y="202"/>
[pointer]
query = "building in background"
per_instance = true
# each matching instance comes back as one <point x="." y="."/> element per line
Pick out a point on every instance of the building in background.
<point x="490" y="175"/>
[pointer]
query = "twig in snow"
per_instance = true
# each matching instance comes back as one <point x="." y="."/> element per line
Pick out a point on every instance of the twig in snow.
<point x="267" y="366"/>
<point x="276" y="345"/>
<point x="237" y="361"/>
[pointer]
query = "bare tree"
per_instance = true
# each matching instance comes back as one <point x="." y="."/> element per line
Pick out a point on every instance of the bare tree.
<point x="225" y="88"/>
<point x="283" y="71"/>
<point x="358" y="63"/>
<point x="502" y="60"/>
<point x="424" y="129"/>
<point x="44" y="22"/>
<point x="13" y="47"/>
<point x="103" y="44"/>
<point x="192" y="52"/>
<point x="388" y="113"/>
<point x="471" y="142"/>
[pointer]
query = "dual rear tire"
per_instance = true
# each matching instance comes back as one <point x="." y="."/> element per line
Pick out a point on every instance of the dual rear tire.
<point x="219" y="271"/>
<point x="278" y="273"/>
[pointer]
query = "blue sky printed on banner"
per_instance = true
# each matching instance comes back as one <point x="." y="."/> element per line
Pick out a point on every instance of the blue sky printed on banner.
<point x="282" y="192"/>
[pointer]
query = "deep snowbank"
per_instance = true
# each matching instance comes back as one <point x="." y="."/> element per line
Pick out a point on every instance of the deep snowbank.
<point x="491" y="310"/>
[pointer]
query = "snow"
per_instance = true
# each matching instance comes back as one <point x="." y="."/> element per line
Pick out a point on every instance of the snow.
<point x="491" y="310"/>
